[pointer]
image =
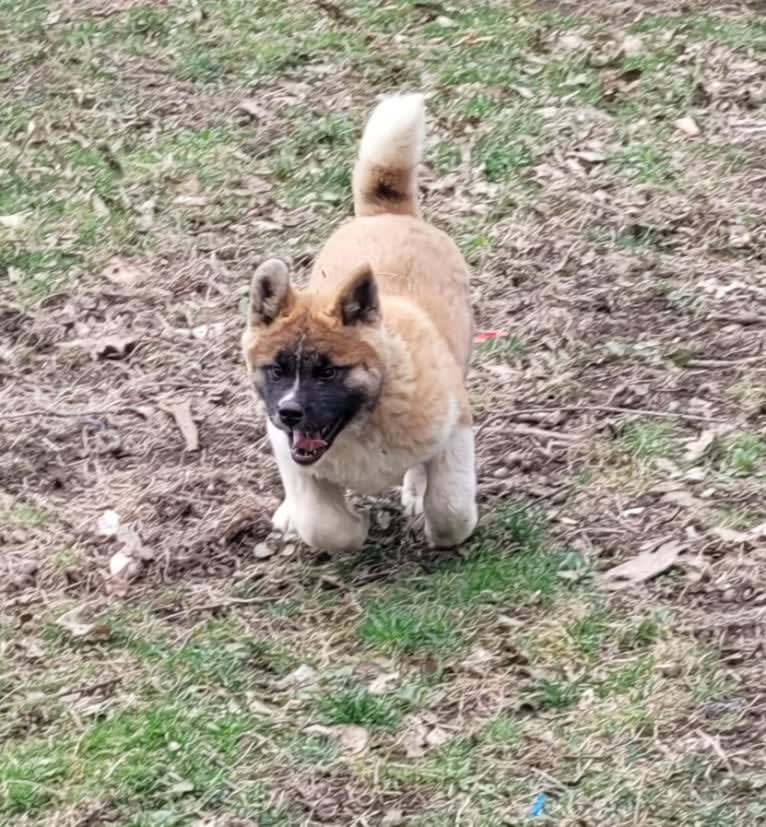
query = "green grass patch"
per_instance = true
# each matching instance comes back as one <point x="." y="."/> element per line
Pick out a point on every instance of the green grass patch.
<point x="647" y="439"/>
<point x="502" y="346"/>
<point x="356" y="705"/>
<point x="745" y="454"/>
<point x="398" y="625"/>
<point x="508" y="561"/>
<point x="149" y="755"/>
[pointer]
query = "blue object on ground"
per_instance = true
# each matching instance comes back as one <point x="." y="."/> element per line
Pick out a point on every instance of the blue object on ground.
<point x="537" y="807"/>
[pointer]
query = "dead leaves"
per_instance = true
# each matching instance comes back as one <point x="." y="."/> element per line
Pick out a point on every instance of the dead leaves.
<point x="350" y="738"/>
<point x="12" y="222"/>
<point x="77" y="625"/>
<point x="123" y="273"/>
<point x="112" y="346"/>
<point x="645" y="566"/>
<point x="688" y="126"/>
<point x="181" y="413"/>
<point x="126" y="562"/>
<point x="254" y="110"/>
<point x="422" y="734"/>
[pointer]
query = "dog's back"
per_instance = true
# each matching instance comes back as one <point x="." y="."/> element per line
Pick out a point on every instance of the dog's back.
<point x="413" y="262"/>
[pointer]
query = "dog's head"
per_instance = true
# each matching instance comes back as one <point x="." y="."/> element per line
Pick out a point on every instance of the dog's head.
<point x="312" y="356"/>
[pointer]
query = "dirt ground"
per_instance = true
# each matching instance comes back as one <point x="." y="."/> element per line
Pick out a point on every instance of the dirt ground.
<point x="601" y="166"/>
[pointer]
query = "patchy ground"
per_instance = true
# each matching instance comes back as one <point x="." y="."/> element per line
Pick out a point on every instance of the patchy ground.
<point x="601" y="165"/>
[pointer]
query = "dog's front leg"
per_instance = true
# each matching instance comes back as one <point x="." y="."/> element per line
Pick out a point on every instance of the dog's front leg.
<point x="450" y="498"/>
<point x="313" y="508"/>
<point x="413" y="490"/>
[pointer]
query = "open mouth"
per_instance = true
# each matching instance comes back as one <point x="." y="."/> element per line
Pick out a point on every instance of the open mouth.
<point x="306" y="447"/>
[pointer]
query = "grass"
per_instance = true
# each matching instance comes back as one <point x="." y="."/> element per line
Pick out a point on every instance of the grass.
<point x="356" y="705"/>
<point x="745" y="454"/>
<point x="646" y="439"/>
<point x="162" y="751"/>
<point x="225" y="685"/>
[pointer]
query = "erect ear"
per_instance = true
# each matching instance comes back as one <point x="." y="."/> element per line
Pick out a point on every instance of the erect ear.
<point x="270" y="293"/>
<point x="358" y="301"/>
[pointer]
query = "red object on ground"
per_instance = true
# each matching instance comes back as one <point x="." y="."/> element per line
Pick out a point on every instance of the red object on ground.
<point x="484" y="335"/>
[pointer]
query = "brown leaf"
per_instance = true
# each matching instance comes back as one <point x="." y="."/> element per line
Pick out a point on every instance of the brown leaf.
<point x="123" y="565"/>
<point x="77" y="626"/>
<point x="104" y="347"/>
<point x="352" y="738"/>
<point x="632" y="45"/>
<point x="682" y="498"/>
<point x="122" y="272"/>
<point x="644" y="566"/>
<point x="384" y="683"/>
<point x="181" y="412"/>
<point x="688" y="126"/>
<point x="191" y="200"/>
<point x="303" y="676"/>
<point x="251" y="107"/>
<point x="108" y="524"/>
<point x="414" y="741"/>
<point x="697" y="448"/>
<point x="349" y="737"/>
<point x="12" y="222"/>
<point x="99" y="206"/>
<point x="730" y="535"/>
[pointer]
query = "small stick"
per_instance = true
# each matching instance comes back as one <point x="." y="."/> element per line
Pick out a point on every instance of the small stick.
<point x="601" y="409"/>
<point x="181" y="412"/>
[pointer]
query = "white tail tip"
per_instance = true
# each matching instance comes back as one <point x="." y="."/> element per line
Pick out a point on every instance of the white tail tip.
<point x="395" y="132"/>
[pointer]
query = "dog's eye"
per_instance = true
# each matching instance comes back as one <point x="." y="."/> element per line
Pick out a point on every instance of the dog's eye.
<point x="327" y="372"/>
<point x="275" y="372"/>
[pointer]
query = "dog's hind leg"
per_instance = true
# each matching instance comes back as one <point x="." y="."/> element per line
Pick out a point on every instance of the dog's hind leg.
<point x="450" y="498"/>
<point x="413" y="490"/>
<point x="313" y="508"/>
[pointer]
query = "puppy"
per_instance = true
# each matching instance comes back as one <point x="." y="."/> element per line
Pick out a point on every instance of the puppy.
<point x="362" y="374"/>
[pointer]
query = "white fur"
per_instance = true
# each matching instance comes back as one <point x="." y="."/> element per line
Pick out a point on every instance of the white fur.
<point x="315" y="509"/>
<point x="362" y="458"/>
<point x="450" y="497"/>
<point x="395" y="133"/>
<point x="414" y="490"/>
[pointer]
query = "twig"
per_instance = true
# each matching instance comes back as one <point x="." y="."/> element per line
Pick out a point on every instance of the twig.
<point x="530" y="430"/>
<point x="75" y="414"/>
<point x="223" y="604"/>
<point x="722" y="363"/>
<point x="744" y="319"/>
<point x="598" y="409"/>
<point x="335" y="12"/>
<point x="181" y="412"/>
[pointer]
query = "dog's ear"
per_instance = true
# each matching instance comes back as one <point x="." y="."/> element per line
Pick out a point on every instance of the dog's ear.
<point x="358" y="301"/>
<point x="270" y="293"/>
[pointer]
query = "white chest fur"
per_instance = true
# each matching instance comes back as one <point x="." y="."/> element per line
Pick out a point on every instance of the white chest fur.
<point x="368" y="460"/>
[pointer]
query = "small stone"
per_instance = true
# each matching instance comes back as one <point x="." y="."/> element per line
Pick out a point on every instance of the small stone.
<point x="288" y="549"/>
<point x="393" y="818"/>
<point x="632" y="45"/>
<point x="262" y="551"/>
<point x="672" y="669"/>
<point x="383" y="519"/>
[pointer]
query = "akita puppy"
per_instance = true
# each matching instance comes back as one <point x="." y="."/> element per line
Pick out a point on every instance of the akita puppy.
<point x="362" y="374"/>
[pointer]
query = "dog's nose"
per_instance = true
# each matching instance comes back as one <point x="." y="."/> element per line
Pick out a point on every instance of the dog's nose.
<point x="291" y="413"/>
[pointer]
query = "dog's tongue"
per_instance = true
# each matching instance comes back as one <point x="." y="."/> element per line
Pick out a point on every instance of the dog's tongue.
<point x="307" y="442"/>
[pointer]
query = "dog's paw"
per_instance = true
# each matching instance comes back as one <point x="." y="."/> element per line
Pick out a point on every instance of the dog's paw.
<point x="450" y="529"/>
<point x="413" y="492"/>
<point x="282" y="520"/>
<point x="412" y="504"/>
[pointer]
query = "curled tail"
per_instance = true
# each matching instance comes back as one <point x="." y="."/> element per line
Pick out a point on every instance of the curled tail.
<point x="385" y="175"/>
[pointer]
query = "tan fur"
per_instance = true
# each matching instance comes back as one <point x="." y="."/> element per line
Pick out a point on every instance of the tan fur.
<point x="415" y="361"/>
